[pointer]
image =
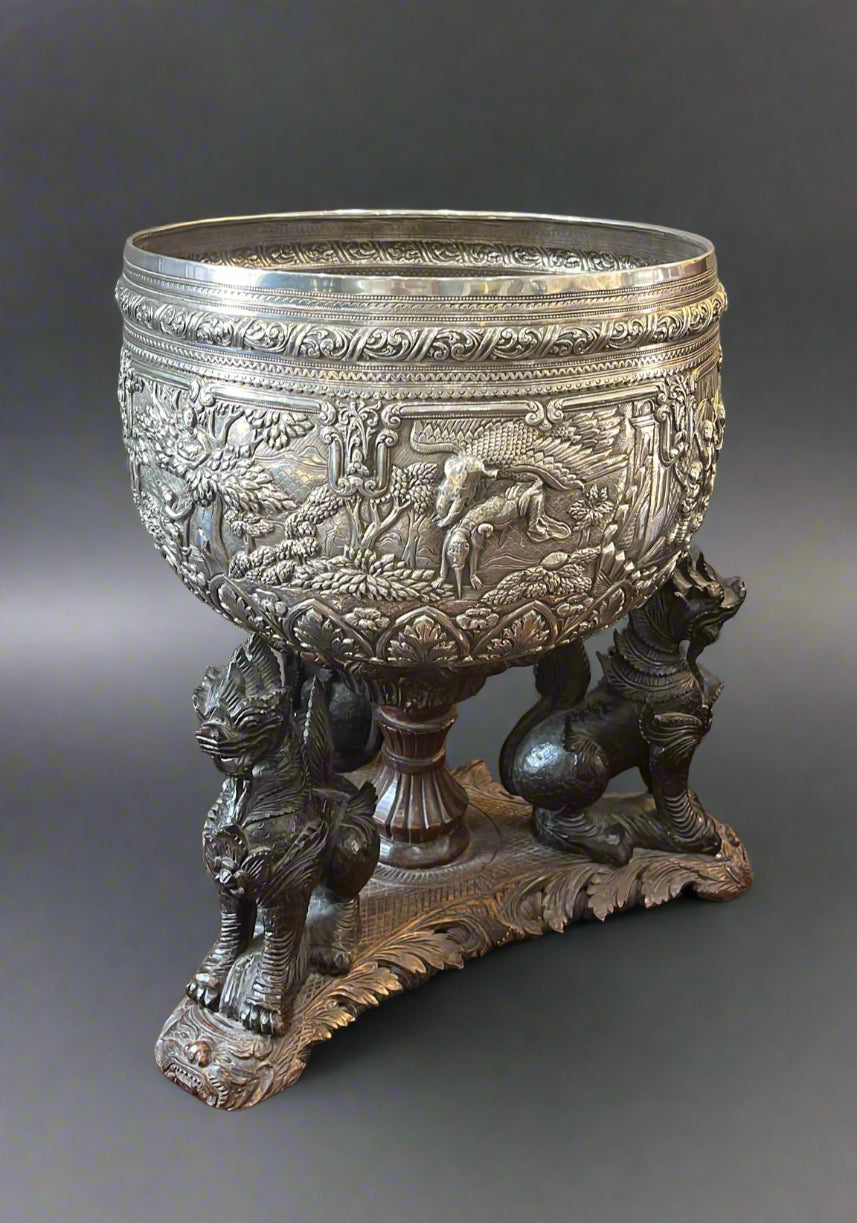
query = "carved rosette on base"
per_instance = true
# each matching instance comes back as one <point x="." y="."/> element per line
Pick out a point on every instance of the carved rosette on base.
<point x="506" y="886"/>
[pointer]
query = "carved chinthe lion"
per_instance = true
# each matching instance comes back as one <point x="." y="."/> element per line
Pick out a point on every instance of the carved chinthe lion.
<point x="287" y="838"/>
<point x="416" y="449"/>
<point x="650" y="712"/>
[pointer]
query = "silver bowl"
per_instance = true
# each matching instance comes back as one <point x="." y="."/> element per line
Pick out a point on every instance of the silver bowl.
<point x="420" y="446"/>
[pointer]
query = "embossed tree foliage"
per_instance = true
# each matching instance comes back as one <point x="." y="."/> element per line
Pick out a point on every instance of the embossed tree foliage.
<point x="356" y="501"/>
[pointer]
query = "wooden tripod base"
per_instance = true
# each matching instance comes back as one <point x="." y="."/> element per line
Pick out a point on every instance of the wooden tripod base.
<point x="505" y="886"/>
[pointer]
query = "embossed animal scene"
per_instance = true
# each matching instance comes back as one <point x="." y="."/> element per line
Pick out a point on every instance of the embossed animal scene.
<point x="358" y="526"/>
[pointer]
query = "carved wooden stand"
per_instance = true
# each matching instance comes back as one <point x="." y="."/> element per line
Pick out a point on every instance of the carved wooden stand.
<point x="465" y="865"/>
<point x="420" y="804"/>
<point x="505" y="886"/>
<point x="420" y="808"/>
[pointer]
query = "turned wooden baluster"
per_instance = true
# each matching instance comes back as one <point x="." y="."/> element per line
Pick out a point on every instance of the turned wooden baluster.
<point x="421" y="807"/>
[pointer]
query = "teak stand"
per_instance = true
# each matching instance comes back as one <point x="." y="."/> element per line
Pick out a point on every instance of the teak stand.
<point x="337" y="891"/>
<point x="505" y="887"/>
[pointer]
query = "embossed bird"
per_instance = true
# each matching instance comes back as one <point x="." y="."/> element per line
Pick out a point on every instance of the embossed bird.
<point x="563" y="452"/>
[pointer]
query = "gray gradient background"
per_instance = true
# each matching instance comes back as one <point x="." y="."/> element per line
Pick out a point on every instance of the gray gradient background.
<point x="694" y="1062"/>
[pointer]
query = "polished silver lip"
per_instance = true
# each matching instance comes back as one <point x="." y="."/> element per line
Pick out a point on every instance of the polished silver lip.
<point x="701" y="260"/>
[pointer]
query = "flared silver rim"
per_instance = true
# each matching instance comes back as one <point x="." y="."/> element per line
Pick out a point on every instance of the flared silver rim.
<point x="699" y="259"/>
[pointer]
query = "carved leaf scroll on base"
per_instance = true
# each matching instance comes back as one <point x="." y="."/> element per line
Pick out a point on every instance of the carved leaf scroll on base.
<point x="505" y="887"/>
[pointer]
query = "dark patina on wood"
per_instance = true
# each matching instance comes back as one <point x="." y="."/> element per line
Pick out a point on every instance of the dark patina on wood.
<point x="506" y="886"/>
<point x="649" y="712"/>
<point x="293" y="846"/>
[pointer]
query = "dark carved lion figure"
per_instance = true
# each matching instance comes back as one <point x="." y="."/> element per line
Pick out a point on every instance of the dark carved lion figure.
<point x="288" y="837"/>
<point x="650" y="711"/>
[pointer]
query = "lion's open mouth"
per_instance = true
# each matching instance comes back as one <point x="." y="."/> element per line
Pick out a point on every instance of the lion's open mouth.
<point x="189" y="1080"/>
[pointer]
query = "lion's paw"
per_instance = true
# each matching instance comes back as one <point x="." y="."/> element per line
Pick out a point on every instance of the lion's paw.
<point x="262" y="1018"/>
<point x="335" y="961"/>
<point x="204" y="988"/>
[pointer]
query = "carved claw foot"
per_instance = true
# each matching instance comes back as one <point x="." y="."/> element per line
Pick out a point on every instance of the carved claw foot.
<point x="592" y="837"/>
<point x="334" y="931"/>
<point x="673" y="735"/>
<point x="706" y="841"/>
<point x="252" y="999"/>
<point x="332" y="961"/>
<point x="206" y="984"/>
<point x="264" y="1017"/>
<point x="205" y="990"/>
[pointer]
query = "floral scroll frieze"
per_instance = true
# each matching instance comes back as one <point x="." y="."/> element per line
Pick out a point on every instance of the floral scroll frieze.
<point x="407" y="344"/>
<point x="337" y="256"/>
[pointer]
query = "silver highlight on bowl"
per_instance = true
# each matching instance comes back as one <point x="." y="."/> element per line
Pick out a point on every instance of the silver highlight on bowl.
<point x="421" y="440"/>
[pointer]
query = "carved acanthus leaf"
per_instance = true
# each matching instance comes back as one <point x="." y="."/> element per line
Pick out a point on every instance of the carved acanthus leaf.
<point x="523" y="892"/>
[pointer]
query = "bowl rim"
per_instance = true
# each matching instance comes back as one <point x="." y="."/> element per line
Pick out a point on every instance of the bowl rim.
<point x="699" y="259"/>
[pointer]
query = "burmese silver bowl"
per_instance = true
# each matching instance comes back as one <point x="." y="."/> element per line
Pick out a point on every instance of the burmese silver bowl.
<point x="421" y="446"/>
<point x="409" y="438"/>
